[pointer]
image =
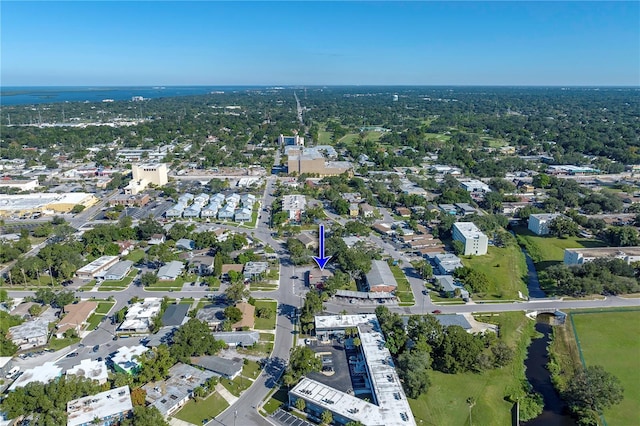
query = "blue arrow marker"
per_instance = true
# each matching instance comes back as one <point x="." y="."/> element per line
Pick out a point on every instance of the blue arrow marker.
<point x="321" y="260"/>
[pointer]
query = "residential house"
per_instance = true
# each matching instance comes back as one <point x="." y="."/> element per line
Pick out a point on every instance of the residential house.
<point x="403" y="211"/>
<point x="104" y="408"/>
<point x="126" y="359"/>
<point x="90" y="369"/>
<point x="44" y="373"/>
<point x="30" y="334"/>
<point x="295" y="206"/>
<point x="234" y="339"/>
<point x="248" y="317"/>
<point x="118" y="271"/>
<point x="175" y="315"/>
<point x="156" y="239"/>
<point x="227" y="212"/>
<point x="255" y="270"/>
<point x="75" y="317"/>
<point x="221" y="367"/>
<point x="243" y="215"/>
<point x="448" y="285"/>
<point x="228" y="267"/>
<point x="354" y="210"/>
<point x="446" y="263"/>
<point x="307" y="240"/>
<point x="211" y="315"/>
<point x="170" y="271"/>
<point x="202" y="264"/>
<point x="367" y="210"/>
<point x="140" y="315"/>
<point x="185" y="244"/>
<point x="169" y="395"/>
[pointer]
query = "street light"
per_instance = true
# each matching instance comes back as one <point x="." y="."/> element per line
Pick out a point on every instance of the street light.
<point x="235" y="416"/>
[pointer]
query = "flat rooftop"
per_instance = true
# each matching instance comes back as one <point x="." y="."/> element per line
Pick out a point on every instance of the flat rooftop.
<point x="468" y="229"/>
<point x="102" y="405"/>
<point x="606" y="251"/>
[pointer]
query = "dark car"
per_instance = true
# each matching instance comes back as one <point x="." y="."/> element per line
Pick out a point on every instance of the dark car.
<point x="96" y="348"/>
<point x="99" y="358"/>
<point x="295" y="277"/>
<point x="437" y="311"/>
<point x="67" y="282"/>
<point x="72" y="354"/>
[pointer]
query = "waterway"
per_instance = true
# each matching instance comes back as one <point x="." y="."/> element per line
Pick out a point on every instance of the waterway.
<point x="555" y="412"/>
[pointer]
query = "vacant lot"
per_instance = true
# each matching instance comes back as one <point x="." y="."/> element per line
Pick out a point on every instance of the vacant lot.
<point x="506" y="269"/>
<point x="403" y="292"/>
<point x="266" y="323"/>
<point x="547" y="251"/>
<point x="445" y="401"/>
<point x="611" y="339"/>
<point x="196" y="411"/>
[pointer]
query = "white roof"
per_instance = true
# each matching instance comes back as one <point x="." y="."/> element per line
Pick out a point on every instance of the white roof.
<point x="97" y="264"/>
<point x="124" y="356"/>
<point x="390" y="406"/>
<point x="102" y="405"/>
<point x="91" y="369"/>
<point x="468" y="229"/>
<point x="43" y="373"/>
<point x="140" y="314"/>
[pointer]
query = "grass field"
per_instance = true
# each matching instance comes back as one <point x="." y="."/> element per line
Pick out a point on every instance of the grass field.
<point x="279" y="398"/>
<point x="611" y="339"/>
<point x="404" y="292"/>
<point x="57" y="344"/>
<point x="135" y="255"/>
<point x="94" y="321"/>
<point x="251" y="370"/>
<point x="445" y="401"/>
<point x="88" y="286"/>
<point x="547" y="251"/>
<point x="237" y="385"/>
<point x="324" y="137"/>
<point x="506" y="269"/>
<point x="104" y="307"/>
<point x="266" y="323"/>
<point x="196" y="411"/>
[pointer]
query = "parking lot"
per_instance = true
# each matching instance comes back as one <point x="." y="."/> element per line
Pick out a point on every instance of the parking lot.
<point x="283" y="418"/>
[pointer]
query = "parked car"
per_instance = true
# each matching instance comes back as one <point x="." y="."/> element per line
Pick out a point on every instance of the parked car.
<point x="72" y="354"/>
<point x="96" y="348"/>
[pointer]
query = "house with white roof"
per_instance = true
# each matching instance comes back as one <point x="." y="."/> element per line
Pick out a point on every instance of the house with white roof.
<point x="91" y="369"/>
<point x="44" y="373"/>
<point x="108" y="407"/>
<point x="126" y="360"/>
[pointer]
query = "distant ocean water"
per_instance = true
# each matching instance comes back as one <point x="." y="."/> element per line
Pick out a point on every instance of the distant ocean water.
<point x="45" y="95"/>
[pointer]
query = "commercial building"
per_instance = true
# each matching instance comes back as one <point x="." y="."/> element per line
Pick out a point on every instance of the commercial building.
<point x="44" y="373"/>
<point x="49" y="203"/>
<point x="170" y="271"/>
<point x="168" y="396"/>
<point x="22" y="185"/>
<point x="30" y="334"/>
<point x="126" y="359"/>
<point x="290" y="140"/>
<point x="75" y="318"/>
<point x="388" y="406"/>
<point x="475" y="241"/>
<point x="94" y="268"/>
<point x="313" y="161"/>
<point x="579" y="256"/>
<point x="91" y="369"/>
<point x="140" y="315"/>
<point x="475" y="186"/>
<point x="539" y="222"/>
<point x="145" y="174"/>
<point x="104" y="408"/>
<point x="380" y="277"/>
<point x="125" y="200"/>
<point x="295" y="205"/>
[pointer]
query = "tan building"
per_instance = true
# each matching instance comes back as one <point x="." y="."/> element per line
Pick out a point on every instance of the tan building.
<point x="146" y="174"/>
<point x="313" y="162"/>
<point x="76" y="316"/>
<point x="22" y="185"/>
<point x="44" y="202"/>
<point x="248" y="319"/>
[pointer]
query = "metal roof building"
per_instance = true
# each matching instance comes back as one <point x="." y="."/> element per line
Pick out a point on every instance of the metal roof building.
<point x="222" y="367"/>
<point x="170" y="271"/>
<point x="238" y="338"/>
<point x="380" y="277"/>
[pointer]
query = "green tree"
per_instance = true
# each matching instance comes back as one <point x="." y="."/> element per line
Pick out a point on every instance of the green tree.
<point x="148" y="278"/>
<point x="194" y="339"/>
<point x="413" y="369"/>
<point x="232" y="314"/>
<point x="78" y="208"/>
<point x="236" y="291"/>
<point x="458" y="247"/>
<point x="300" y="404"/>
<point x="563" y="227"/>
<point x="592" y="390"/>
<point x="145" y="416"/>
<point x="301" y="362"/>
<point x="326" y="417"/>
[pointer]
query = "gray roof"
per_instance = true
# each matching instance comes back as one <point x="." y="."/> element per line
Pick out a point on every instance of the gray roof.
<point x="364" y="295"/>
<point x="211" y="314"/>
<point x="380" y="274"/>
<point x="175" y="314"/>
<point x="240" y="338"/>
<point x="119" y="268"/>
<point x="221" y="366"/>
<point x="453" y="319"/>
<point x="172" y="269"/>
<point x="162" y="336"/>
<point x="30" y="329"/>
<point x="185" y="244"/>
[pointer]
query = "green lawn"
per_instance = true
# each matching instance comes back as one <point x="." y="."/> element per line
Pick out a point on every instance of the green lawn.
<point x="403" y="292"/>
<point x="267" y="337"/>
<point x="196" y="411"/>
<point x="57" y="344"/>
<point x="547" y="251"/>
<point x="135" y="256"/>
<point x="276" y="401"/>
<point x="252" y="370"/>
<point x="262" y="287"/>
<point x="611" y="339"/>
<point x="506" y="269"/>
<point x="259" y="349"/>
<point x="445" y="401"/>
<point x="104" y="307"/>
<point x="119" y="284"/>
<point x="324" y="137"/>
<point x="94" y="321"/>
<point x="237" y="385"/>
<point x="266" y="323"/>
<point x="88" y="286"/>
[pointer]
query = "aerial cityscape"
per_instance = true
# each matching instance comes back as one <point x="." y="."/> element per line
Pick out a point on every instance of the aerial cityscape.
<point x="320" y="213"/>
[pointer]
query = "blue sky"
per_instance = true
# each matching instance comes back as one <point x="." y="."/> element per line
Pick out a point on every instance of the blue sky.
<point x="317" y="43"/>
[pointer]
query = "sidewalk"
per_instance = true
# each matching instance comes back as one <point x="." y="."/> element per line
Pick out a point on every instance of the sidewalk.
<point x="228" y="396"/>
